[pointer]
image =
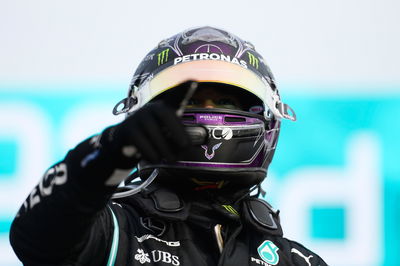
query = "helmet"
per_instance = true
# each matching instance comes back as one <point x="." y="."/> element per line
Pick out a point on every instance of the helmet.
<point x="240" y="143"/>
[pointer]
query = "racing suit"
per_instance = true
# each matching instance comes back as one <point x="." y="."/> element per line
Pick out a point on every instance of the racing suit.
<point x="70" y="219"/>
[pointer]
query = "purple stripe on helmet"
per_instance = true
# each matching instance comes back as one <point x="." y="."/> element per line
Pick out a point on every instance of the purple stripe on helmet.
<point x="209" y="119"/>
<point x="220" y="119"/>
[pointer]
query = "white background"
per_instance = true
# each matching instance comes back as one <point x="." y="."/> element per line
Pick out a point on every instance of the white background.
<point x="309" y="42"/>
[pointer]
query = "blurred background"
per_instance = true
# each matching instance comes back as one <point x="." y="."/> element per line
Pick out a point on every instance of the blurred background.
<point x="336" y="174"/>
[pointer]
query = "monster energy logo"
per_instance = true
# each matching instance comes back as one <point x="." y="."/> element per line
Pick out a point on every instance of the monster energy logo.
<point x="253" y="60"/>
<point x="230" y="209"/>
<point x="163" y="57"/>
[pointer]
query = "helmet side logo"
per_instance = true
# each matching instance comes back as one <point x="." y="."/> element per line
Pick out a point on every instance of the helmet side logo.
<point x="211" y="56"/>
<point x="253" y="60"/>
<point x="225" y="133"/>
<point x="208" y="48"/>
<point x="162" y="57"/>
<point x="214" y="148"/>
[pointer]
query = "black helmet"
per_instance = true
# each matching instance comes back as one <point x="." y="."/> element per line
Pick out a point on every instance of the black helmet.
<point x="241" y="143"/>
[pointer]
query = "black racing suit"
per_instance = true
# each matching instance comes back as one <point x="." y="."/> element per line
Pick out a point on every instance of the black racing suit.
<point x="70" y="219"/>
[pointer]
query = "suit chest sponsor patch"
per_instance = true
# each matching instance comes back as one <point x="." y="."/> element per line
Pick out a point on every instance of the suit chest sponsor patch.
<point x="156" y="255"/>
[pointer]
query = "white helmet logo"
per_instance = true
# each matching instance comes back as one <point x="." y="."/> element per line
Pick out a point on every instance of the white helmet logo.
<point x="214" y="148"/>
<point x="226" y="134"/>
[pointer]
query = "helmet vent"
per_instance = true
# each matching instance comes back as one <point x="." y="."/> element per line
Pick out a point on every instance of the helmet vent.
<point x="188" y="118"/>
<point x="234" y="119"/>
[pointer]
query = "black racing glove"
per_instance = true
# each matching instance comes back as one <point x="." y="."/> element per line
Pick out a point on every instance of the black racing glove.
<point x="154" y="133"/>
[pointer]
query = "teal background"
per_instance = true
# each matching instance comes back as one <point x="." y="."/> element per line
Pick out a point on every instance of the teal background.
<point x="324" y="218"/>
<point x="324" y="124"/>
<point x="318" y="138"/>
<point x="8" y="155"/>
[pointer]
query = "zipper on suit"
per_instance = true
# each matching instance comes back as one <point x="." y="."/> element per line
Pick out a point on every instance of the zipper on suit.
<point x="218" y="237"/>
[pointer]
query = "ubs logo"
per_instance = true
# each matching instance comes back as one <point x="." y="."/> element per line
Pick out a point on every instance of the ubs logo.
<point x="156" y="256"/>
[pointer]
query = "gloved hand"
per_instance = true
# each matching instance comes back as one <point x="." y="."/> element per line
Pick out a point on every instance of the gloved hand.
<point x="153" y="133"/>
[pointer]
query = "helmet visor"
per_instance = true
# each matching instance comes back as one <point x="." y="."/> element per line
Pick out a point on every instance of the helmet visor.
<point x="207" y="71"/>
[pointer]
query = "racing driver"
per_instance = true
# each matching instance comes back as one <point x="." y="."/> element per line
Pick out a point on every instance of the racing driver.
<point x="177" y="182"/>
